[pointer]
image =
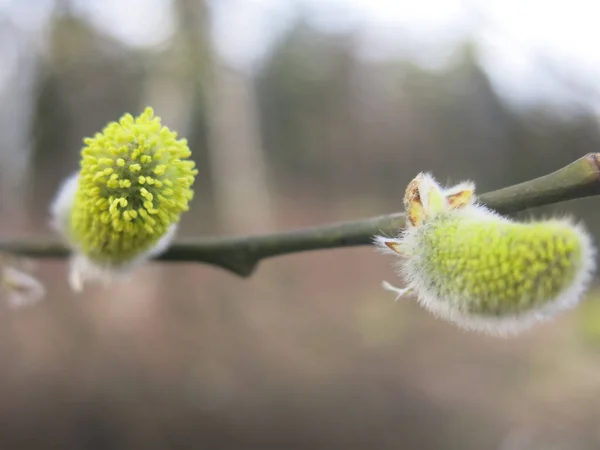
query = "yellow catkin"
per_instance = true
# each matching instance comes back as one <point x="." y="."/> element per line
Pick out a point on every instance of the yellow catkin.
<point x="482" y="271"/>
<point x="117" y="214"/>
<point x="493" y="267"/>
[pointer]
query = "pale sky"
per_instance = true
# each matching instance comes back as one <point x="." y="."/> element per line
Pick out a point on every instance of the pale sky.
<point x="514" y="35"/>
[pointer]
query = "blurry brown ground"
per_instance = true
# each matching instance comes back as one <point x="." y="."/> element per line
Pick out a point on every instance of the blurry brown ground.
<point x="309" y="352"/>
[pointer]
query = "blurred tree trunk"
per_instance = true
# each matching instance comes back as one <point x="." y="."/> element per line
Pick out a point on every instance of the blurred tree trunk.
<point x="225" y="102"/>
<point x="237" y="158"/>
<point x="17" y="93"/>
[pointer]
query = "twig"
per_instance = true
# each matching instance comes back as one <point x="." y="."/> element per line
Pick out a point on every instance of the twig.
<point x="241" y="255"/>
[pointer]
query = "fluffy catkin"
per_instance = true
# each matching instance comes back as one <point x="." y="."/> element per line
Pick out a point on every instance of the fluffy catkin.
<point x="486" y="272"/>
<point x="123" y="206"/>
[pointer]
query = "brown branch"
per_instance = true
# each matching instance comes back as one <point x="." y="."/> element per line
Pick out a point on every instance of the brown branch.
<point x="241" y="255"/>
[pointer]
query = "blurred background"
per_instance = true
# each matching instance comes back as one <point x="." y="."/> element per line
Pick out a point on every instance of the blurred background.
<point x="298" y="113"/>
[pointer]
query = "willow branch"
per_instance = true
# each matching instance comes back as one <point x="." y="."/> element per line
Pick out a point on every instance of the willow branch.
<point x="241" y="255"/>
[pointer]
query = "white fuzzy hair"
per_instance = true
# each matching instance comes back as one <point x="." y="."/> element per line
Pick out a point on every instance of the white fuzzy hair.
<point x="21" y="289"/>
<point x="567" y="298"/>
